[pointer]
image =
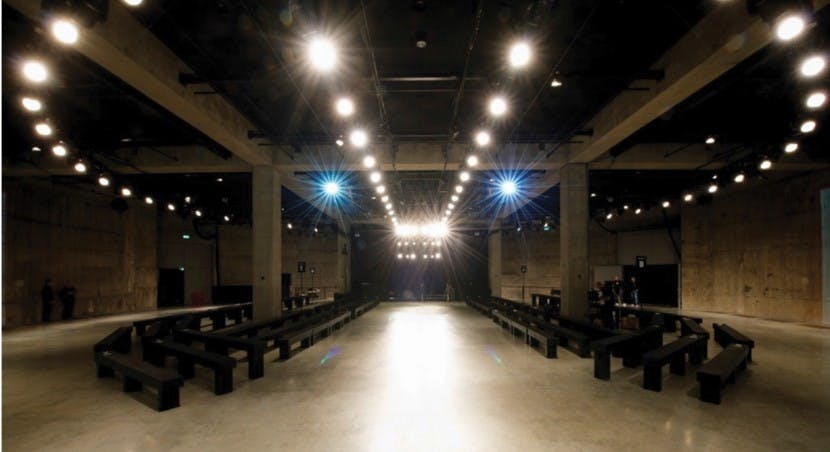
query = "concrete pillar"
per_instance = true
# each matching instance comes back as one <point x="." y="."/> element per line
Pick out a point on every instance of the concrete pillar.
<point x="573" y="218"/>
<point x="494" y="263"/>
<point x="344" y="263"/>
<point x="267" y="243"/>
<point x="825" y="239"/>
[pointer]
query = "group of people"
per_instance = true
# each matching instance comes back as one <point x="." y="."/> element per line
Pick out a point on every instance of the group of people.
<point x="606" y="295"/>
<point x="47" y="298"/>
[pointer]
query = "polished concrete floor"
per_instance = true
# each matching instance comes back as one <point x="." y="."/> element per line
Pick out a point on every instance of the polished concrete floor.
<point x="419" y="376"/>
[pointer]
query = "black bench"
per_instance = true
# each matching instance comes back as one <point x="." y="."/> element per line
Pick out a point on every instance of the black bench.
<point x="156" y="350"/>
<point x="542" y="338"/>
<point x="305" y="336"/>
<point x="119" y="340"/>
<point x="534" y="331"/>
<point x="725" y="335"/>
<point x="674" y="354"/>
<point x="689" y="326"/>
<point x="137" y="374"/>
<point x="254" y="350"/>
<point x="324" y="329"/>
<point x="584" y="326"/>
<point x="360" y="309"/>
<point x="630" y="346"/>
<point x="720" y="370"/>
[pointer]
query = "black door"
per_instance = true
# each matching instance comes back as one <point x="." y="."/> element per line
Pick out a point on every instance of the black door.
<point x="657" y="283"/>
<point x="171" y="287"/>
<point x="286" y="285"/>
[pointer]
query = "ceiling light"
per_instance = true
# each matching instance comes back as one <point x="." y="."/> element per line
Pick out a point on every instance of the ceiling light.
<point x="127" y="192"/>
<point x="148" y="200"/>
<point x="508" y="188"/>
<point x="226" y="218"/>
<point x="739" y="178"/>
<point x="36" y="149"/>
<point x="472" y="161"/>
<point x="519" y="54"/>
<point x="290" y="226"/>
<point x="459" y="189"/>
<point x="816" y="100"/>
<point x="358" y="138"/>
<point x="450" y="206"/>
<point x="638" y="211"/>
<point x="375" y="177"/>
<point x="789" y="27"/>
<point x="808" y="126"/>
<point x="789" y="148"/>
<point x="171" y="207"/>
<point x="812" y="66"/>
<point x="498" y="106"/>
<point x="43" y="129"/>
<point x="380" y="189"/>
<point x="710" y="140"/>
<point x="593" y="195"/>
<point x="713" y="188"/>
<point x="688" y="197"/>
<point x="31" y="104"/>
<point x="482" y="138"/>
<point x="219" y="179"/>
<point x="339" y="142"/>
<point x="448" y="211"/>
<point x="80" y="167"/>
<point x="388" y="206"/>
<point x="369" y="161"/>
<point x="464" y="176"/>
<point x="331" y="188"/>
<point x="187" y="199"/>
<point x="400" y="256"/>
<point x="555" y="83"/>
<point x="35" y="71"/>
<point x="133" y="2"/>
<point x="384" y="198"/>
<point x="103" y="180"/>
<point x="322" y="54"/>
<point x="344" y="106"/>
<point x="609" y="216"/>
<point x="666" y="204"/>
<point x="765" y="164"/>
<point x="59" y="150"/>
<point x="65" y="31"/>
<point x="454" y="198"/>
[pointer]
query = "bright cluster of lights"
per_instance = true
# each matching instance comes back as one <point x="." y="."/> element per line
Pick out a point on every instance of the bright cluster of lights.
<point x="437" y="230"/>
<point x="415" y="256"/>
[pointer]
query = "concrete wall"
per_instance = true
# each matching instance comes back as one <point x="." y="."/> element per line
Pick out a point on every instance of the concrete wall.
<point x="756" y="251"/>
<point x="73" y="237"/>
<point x="195" y="255"/>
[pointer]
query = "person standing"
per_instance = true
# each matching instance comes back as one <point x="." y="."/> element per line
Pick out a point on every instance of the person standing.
<point x="47" y="299"/>
<point x="67" y="296"/>
<point x="634" y="291"/>
<point x="617" y="290"/>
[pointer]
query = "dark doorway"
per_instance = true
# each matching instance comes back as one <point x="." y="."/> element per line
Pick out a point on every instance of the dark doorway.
<point x="286" y="285"/>
<point x="171" y="287"/>
<point x="658" y="283"/>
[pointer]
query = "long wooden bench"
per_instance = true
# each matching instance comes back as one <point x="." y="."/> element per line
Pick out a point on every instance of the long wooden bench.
<point x="305" y="336"/>
<point x="725" y="335"/>
<point x="543" y="339"/>
<point x="137" y="374"/>
<point x="720" y="370"/>
<point x="586" y="327"/>
<point x="119" y="340"/>
<point x="675" y="354"/>
<point x="254" y="350"/>
<point x="217" y="315"/>
<point x="361" y="308"/>
<point x="186" y="359"/>
<point x="630" y="346"/>
<point x="324" y="329"/>
<point x="646" y="317"/>
<point x="535" y="334"/>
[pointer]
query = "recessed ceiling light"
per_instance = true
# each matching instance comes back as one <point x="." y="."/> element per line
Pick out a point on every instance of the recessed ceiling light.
<point x="710" y="140"/>
<point x="472" y="161"/>
<point x="519" y="54"/>
<point x="59" y="150"/>
<point x="344" y="107"/>
<point x="36" y="149"/>
<point x="43" y="129"/>
<point x="482" y="138"/>
<point x="35" y="71"/>
<point x="498" y="106"/>
<point x="813" y="65"/>
<point x="555" y="83"/>
<point x="459" y="189"/>
<point x="369" y="161"/>
<point x="31" y="104"/>
<point x="789" y="148"/>
<point x="127" y="192"/>
<point x="358" y="138"/>
<point x="380" y="189"/>
<point x="339" y="142"/>
<point x="65" y="31"/>
<point x="198" y="213"/>
<point x="790" y="27"/>
<point x="171" y="207"/>
<point x="638" y="211"/>
<point x="133" y="2"/>
<point x="103" y="180"/>
<point x="322" y="54"/>
<point x="666" y="204"/>
<point x="375" y="177"/>
<point x="765" y="164"/>
<point x="739" y="178"/>
<point x="148" y="200"/>
<point x="80" y="167"/>
<point x="464" y="176"/>
<point x="713" y="188"/>
<point x="816" y="100"/>
<point x="808" y="126"/>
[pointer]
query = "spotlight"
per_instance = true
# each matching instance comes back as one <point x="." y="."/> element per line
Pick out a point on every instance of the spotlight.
<point x="459" y="189"/>
<point x="59" y="150"/>
<point x="187" y="199"/>
<point x="290" y="226"/>
<point x="508" y="188"/>
<point x="710" y="140"/>
<point x="813" y="65"/>
<point x="380" y="189"/>
<point x="454" y="198"/>
<point x="226" y="218"/>
<point x="666" y="204"/>
<point x="790" y="27"/>
<point x="133" y="2"/>
<point x="358" y="138"/>
<point x="369" y="161"/>
<point x="808" y="126"/>
<point x="448" y="212"/>
<point x="31" y="104"/>
<point x="400" y="256"/>
<point x="43" y="129"/>
<point x="765" y="164"/>
<point x="638" y="211"/>
<point x="35" y="149"/>
<point x="103" y="180"/>
<point x="322" y="54"/>
<point x="739" y="178"/>
<point x="219" y="179"/>
<point x="450" y="206"/>
<point x="498" y="106"/>
<point x="438" y="255"/>
<point x="331" y="188"/>
<point x="464" y="176"/>
<point x="388" y="206"/>
<point x="816" y="100"/>
<point x="65" y="31"/>
<point x="375" y="177"/>
<point x="555" y="83"/>
<point x="609" y="216"/>
<point x="148" y="200"/>
<point x="171" y="207"/>
<point x="80" y="167"/>
<point x="35" y="71"/>
<point x="688" y="197"/>
<point x="339" y="142"/>
<point x="789" y="148"/>
<point x="593" y="195"/>
<point x="713" y="188"/>
<point x="344" y="107"/>
<point x="482" y="138"/>
<point x="127" y="192"/>
<point x="384" y="198"/>
<point x="472" y="161"/>
<point x="519" y="54"/>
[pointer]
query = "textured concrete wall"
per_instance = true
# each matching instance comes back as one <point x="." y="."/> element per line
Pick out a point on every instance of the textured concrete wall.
<point x="195" y="255"/>
<point x="73" y="237"/>
<point x="756" y="251"/>
<point x="324" y="251"/>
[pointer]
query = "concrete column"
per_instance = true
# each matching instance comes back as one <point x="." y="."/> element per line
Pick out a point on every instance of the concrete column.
<point x="267" y="243"/>
<point x="573" y="218"/>
<point x="825" y="240"/>
<point x="494" y="263"/>
<point x="344" y="263"/>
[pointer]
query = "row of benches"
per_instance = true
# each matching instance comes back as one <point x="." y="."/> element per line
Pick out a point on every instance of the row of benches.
<point x="160" y="341"/>
<point x="218" y="316"/>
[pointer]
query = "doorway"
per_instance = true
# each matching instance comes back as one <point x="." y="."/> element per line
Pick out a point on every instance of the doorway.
<point x="170" y="287"/>
<point x="658" y="283"/>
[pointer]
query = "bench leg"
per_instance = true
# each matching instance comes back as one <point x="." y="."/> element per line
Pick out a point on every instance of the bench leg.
<point x="653" y="378"/>
<point x="710" y="390"/>
<point x="168" y="397"/>
<point x="583" y="350"/>
<point x="677" y="365"/>
<point x="285" y="350"/>
<point x="550" y="348"/>
<point x="131" y="384"/>
<point x="602" y="365"/>
<point x="223" y="381"/>
<point x="256" y="366"/>
<point x="104" y="371"/>
<point x="186" y="367"/>
<point x="696" y="355"/>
